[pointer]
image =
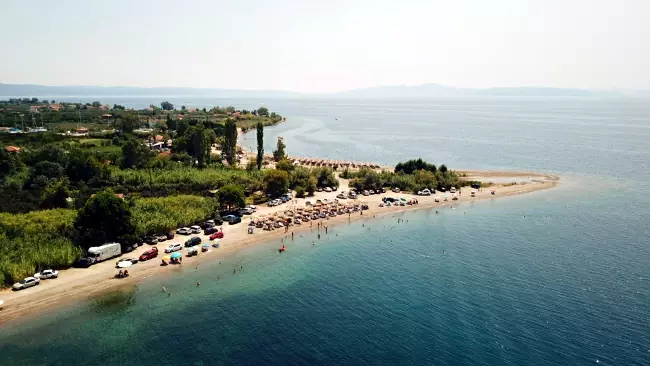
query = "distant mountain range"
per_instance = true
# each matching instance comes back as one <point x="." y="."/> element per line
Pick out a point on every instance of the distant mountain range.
<point x="396" y="91"/>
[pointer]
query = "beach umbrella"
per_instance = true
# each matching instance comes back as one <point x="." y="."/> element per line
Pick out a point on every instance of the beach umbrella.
<point x="206" y="245"/>
<point x="166" y="258"/>
<point x="403" y="199"/>
<point x="176" y="255"/>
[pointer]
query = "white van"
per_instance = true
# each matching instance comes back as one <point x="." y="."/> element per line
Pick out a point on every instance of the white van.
<point x="104" y="252"/>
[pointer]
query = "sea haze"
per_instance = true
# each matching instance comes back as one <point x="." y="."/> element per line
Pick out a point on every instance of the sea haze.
<point x="557" y="277"/>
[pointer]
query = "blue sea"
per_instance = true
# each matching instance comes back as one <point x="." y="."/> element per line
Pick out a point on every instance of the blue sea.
<point x="558" y="277"/>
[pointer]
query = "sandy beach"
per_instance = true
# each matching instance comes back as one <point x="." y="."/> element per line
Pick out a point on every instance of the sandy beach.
<point x="82" y="283"/>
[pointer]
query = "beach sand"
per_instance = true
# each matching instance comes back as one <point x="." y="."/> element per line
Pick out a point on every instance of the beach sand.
<point x="77" y="284"/>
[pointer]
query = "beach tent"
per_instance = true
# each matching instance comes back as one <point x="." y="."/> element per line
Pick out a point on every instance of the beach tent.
<point x="125" y="264"/>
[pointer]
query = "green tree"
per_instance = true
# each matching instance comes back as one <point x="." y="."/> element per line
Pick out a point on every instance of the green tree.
<point x="443" y="169"/>
<point x="166" y="106"/>
<point x="55" y="194"/>
<point x="9" y="163"/>
<point x="260" y="145"/>
<point x="105" y="218"/>
<point x="129" y="122"/>
<point x="300" y="192"/>
<point x="280" y="152"/>
<point x="276" y="182"/>
<point x="201" y="145"/>
<point x="135" y="154"/>
<point x="262" y="111"/>
<point x="230" y="141"/>
<point x="231" y="196"/>
<point x="181" y="127"/>
<point x="411" y="166"/>
<point x="285" y="164"/>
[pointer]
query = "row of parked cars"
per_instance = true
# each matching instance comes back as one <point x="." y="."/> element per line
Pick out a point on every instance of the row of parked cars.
<point x="278" y="201"/>
<point x="35" y="280"/>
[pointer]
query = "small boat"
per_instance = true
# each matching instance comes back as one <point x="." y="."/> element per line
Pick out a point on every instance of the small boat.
<point x="282" y="248"/>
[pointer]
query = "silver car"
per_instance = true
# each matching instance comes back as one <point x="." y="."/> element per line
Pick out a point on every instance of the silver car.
<point x="27" y="282"/>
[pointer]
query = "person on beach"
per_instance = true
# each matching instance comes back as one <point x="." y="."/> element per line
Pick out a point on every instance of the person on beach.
<point x="325" y="229"/>
<point x="292" y="235"/>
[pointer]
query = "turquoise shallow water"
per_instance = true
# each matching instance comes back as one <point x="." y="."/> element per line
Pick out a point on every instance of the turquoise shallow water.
<point x="555" y="278"/>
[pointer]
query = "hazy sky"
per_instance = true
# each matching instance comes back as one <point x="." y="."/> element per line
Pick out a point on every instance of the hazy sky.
<point x="322" y="46"/>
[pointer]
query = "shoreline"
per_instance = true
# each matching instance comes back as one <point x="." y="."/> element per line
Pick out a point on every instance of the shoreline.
<point x="81" y="284"/>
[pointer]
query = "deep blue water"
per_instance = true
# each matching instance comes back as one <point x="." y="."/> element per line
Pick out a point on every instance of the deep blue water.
<point x="560" y="277"/>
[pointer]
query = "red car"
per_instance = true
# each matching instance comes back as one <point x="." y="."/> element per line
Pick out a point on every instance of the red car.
<point x="149" y="254"/>
<point x="217" y="235"/>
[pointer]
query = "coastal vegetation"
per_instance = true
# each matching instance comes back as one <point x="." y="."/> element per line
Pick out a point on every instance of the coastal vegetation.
<point x="409" y="176"/>
<point x="62" y="193"/>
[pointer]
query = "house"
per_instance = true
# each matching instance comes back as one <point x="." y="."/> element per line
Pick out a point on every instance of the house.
<point x="159" y="138"/>
<point x="192" y="110"/>
<point x="12" y="149"/>
<point x="103" y="108"/>
<point x="236" y="114"/>
<point x="55" y="107"/>
<point x="106" y="116"/>
<point x="35" y="109"/>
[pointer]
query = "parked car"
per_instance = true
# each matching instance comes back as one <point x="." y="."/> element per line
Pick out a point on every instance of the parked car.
<point x="195" y="229"/>
<point x="207" y="224"/>
<point x="252" y="208"/>
<point x="328" y="189"/>
<point x="151" y="240"/>
<point x="149" y="254"/>
<point x="217" y="235"/>
<point x="210" y="230"/>
<point x="27" y="282"/>
<point x="47" y="273"/>
<point x="366" y="193"/>
<point x="132" y="260"/>
<point x="371" y="191"/>
<point x="170" y="235"/>
<point x="320" y="189"/>
<point x="218" y="220"/>
<point x="173" y="248"/>
<point x="382" y="190"/>
<point x="184" y="231"/>
<point x="234" y="221"/>
<point x="395" y="189"/>
<point x="161" y="238"/>
<point x="83" y="263"/>
<point x="193" y="241"/>
<point x="424" y="192"/>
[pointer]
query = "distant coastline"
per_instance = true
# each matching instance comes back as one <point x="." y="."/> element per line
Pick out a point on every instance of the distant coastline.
<point x="391" y="91"/>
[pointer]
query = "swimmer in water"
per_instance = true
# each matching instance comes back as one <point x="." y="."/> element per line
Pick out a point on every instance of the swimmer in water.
<point x="198" y="283"/>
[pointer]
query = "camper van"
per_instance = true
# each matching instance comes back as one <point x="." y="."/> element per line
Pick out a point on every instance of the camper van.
<point x="104" y="252"/>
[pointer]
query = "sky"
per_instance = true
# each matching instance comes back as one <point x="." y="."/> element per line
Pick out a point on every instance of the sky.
<point x="326" y="46"/>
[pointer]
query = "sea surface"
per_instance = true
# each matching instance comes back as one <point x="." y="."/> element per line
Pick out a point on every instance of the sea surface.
<point x="558" y="277"/>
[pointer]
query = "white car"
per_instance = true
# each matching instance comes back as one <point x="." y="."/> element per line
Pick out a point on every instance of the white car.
<point x="436" y="198"/>
<point x="366" y="193"/>
<point x="396" y="190"/>
<point x="195" y="229"/>
<point x="173" y="248"/>
<point x="328" y="189"/>
<point x="27" y="282"/>
<point x="252" y="208"/>
<point x="424" y="192"/>
<point x="184" y="231"/>
<point x="47" y="273"/>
